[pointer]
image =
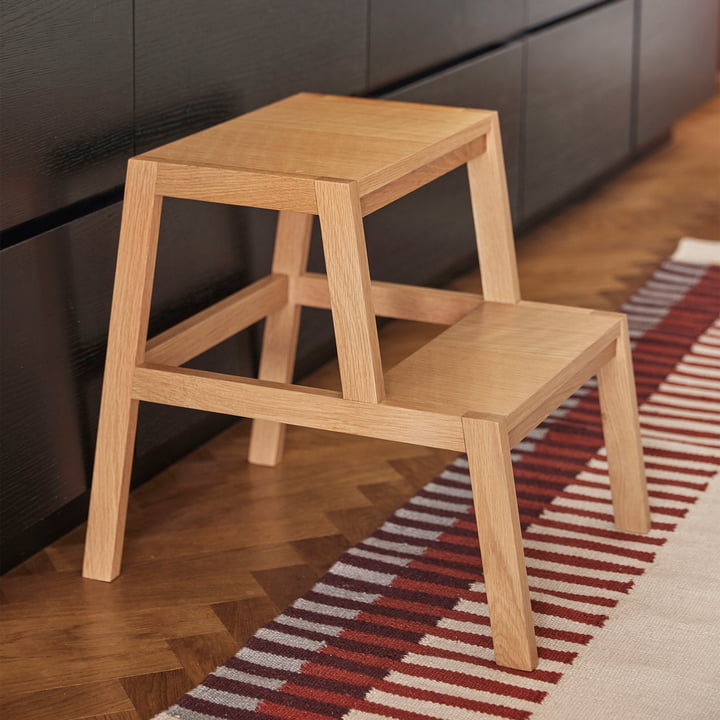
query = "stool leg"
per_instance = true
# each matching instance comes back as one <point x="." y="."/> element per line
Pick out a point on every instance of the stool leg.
<point x="621" y="428"/>
<point x="498" y="523"/>
<point x="493" y="224"/>
<point x="277" y="359"/>
<point x="126" y="347"/>
<point x="351" y="303"/>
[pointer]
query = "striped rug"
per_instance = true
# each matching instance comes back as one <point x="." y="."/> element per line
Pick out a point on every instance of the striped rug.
<point x="398" y="628"/>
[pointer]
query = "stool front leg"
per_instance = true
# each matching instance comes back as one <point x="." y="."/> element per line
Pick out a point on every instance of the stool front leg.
<point x="348" y="275"/>
<point x="126" y="348"/>
<point x="498" y="524"/>
<point x="621" y="429"/>
<point x="277" y="359"/>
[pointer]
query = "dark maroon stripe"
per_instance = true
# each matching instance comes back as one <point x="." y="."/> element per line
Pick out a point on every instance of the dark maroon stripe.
<point x="673" y="512"/>
<point x="374" y="608"/>
<point x="433" y="598"/>
<point x="581" y="562"/>
<point x="600" y="532"/>
<point x="548" y="608"/>
<point x="700" y="487"/>
<point x="561" y="540"/>
<point x="410" y="572"/>
<point x="615" y="585"/>
<point x="565" y="635"/>
<point x="579" y="597"/>
<point x="548" y="676"/>
<point x="664" y="409"/>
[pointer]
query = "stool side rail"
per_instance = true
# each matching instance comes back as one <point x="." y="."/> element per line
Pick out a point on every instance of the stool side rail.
<point x="216" y="323"/>
<point x="288" y="403"/>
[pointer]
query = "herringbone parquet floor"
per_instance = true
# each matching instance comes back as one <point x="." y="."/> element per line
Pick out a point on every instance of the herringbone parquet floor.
<point x="215" y="547"/>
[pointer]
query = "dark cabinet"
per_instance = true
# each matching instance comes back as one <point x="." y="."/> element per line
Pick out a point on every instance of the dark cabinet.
<point x="677" y="61"/>
<point x="66" y="103"/>
<point x="198" y="64"/>
<point x="407" y="36"/>
<point x="578" y="101"/>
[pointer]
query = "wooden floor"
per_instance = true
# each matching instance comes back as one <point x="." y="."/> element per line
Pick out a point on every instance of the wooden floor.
<point x="215" y="548"/>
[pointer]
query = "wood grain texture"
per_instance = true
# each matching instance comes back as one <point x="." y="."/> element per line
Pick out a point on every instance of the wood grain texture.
<point x="498" y="525"/>
<point x="280" y="336"/>
<point x="595" y="253"/>
<point x="200" y="181"/>
<point x="309" y="136"/>
<point x="621" y="431"/>
<point x="126" y="348"/>
<point x="493" y="224"/>
<point x="350" y="297"/>
<point x="297" y="405"/>
<point x="518" y="362"/>
<point x="422" y="176"/>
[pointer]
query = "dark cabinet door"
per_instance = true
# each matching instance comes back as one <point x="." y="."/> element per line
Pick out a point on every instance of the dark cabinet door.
<point x="579" y="88"/>
<point x="428" y="236"/>
<point x="66" y="103"/>
<point x="198" y="64"/>
<point x="407" y="37"/>
<point x="541" y="11"/>
<point x="677" y="61"/>
<point x="55" y="293"/>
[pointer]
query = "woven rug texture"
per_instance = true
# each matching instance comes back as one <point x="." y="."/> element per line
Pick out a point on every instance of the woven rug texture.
<point x="398" y="628"/>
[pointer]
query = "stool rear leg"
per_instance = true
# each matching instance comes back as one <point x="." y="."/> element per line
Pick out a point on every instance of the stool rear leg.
<point x="621" y="428"/>
<point x="498" y="524"/>
<point x="277" y="359"/>
<point x="126" y="348"/>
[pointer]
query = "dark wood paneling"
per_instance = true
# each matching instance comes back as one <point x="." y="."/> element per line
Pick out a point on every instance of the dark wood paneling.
<point x="541" y="11"/>
<point x="579" y="86"/>
<point x="407" y="36"/>
<point x="677" y="58"/>
<point x="56" y="293"/>
<point x="200" y="63"/>
<point x="67" y="102"/>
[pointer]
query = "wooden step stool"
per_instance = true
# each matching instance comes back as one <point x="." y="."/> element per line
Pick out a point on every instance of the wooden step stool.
<point x="479" y="387"/>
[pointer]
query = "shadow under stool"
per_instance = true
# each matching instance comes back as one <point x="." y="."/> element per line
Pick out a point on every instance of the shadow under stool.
<point x="479" y="387"/>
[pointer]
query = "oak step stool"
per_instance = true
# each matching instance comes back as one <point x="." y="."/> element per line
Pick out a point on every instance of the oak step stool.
<point x="479" y="387"/>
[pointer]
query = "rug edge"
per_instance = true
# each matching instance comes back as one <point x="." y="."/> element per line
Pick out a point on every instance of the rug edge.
<point x="697" y="251"/>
